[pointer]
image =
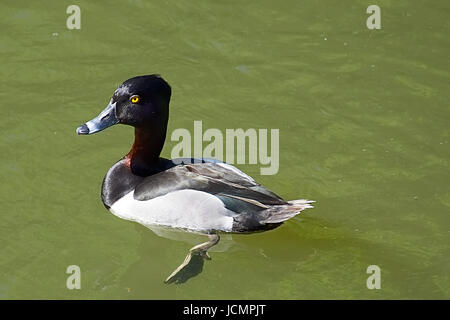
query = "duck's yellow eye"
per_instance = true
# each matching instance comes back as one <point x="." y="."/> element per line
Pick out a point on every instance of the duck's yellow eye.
<point x="135" y="99"/>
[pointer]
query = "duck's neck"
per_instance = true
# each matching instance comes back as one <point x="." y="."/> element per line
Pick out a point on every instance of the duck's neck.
<point x="143" y="157"/>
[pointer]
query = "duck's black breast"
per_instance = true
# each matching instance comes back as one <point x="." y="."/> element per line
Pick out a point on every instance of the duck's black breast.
<point x="119" y="181"/>
<point x="124" y="176"/>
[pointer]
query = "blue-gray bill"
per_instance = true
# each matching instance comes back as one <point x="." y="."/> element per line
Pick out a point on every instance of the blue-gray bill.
<point x="105" y="119"/>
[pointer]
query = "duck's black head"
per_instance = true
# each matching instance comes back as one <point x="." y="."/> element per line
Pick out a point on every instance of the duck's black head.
<point x="141" y="102"/>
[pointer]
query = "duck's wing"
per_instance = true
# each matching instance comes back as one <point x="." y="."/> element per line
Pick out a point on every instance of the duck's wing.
<point x="233" y="187"/>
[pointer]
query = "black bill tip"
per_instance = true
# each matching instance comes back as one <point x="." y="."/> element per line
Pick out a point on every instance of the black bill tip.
<point x="83" y="129"/>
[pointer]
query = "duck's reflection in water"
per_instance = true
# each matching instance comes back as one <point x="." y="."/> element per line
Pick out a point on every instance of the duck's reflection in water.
<point x="193" y="263"/>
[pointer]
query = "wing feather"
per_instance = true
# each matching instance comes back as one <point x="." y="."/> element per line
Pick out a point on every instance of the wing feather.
<point x="214" y="178"/>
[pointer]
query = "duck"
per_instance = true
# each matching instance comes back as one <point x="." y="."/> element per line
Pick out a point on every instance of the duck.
<point x="206" y="196"/>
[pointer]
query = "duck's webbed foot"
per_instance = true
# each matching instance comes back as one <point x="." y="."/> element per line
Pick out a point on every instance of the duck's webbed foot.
<point x="193" y="263"/>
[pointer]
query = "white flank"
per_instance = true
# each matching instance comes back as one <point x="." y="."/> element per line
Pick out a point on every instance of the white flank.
<point x="189" y="209"/>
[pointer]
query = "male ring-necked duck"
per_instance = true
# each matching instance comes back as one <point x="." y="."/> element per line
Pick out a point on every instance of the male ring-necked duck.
<point x="200" y="195"/>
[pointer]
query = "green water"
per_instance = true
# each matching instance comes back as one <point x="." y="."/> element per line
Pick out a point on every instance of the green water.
<point x="364" y="130"/>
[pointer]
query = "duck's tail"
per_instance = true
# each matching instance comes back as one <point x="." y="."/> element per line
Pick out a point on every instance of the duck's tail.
<point x="280" y="213"/>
